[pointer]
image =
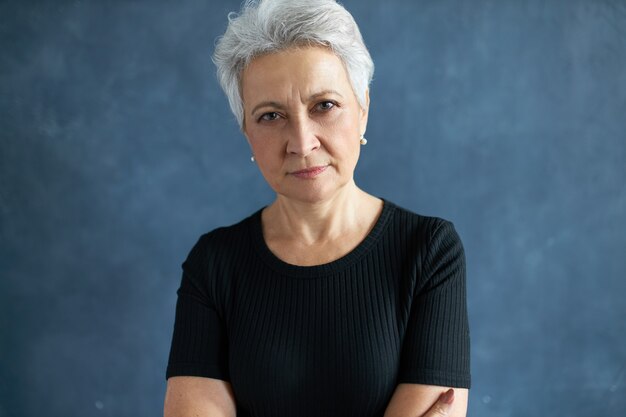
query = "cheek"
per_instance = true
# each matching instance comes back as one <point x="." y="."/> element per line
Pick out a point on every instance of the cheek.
<point x="348" y="131"/>
<point x="256" y="139"/>
<point x="267" y="151"/>
<point x="345" y="151"/>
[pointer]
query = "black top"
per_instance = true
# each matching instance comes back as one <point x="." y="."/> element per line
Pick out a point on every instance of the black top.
<point x="325" y="340"/>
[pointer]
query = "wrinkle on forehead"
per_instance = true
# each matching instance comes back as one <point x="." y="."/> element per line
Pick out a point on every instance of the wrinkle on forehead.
<point x="293" y="76"/>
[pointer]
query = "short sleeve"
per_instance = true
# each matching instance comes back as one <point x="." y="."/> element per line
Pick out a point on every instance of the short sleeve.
<point x="436" y="347"/>
<point x="199" y="343"/>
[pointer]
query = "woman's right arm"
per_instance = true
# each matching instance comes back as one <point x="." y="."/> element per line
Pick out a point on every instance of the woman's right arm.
<point x="192" y="396"/>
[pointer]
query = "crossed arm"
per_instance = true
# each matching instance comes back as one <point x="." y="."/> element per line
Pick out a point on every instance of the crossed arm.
<point x="199" y="397"/>
<point x="416" y="400"/>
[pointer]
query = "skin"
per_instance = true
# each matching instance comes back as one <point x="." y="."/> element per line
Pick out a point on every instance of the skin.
<point x="424" y="400"/>
<point x="190" y="396"/>
<point x="300" y="112"/>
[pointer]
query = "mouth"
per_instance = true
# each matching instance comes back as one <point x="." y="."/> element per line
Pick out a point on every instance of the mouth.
<point x="309" y="172"/>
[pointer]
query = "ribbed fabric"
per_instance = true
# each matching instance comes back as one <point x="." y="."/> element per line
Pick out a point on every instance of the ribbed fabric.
<point x="326" y="340"/>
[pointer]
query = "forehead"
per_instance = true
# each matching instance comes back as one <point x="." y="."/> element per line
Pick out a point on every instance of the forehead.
<point x="297" y="71"/>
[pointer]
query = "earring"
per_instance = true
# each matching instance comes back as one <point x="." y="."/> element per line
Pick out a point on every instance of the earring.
<point x="252" y="158"/>
<point x="363" y="140"/>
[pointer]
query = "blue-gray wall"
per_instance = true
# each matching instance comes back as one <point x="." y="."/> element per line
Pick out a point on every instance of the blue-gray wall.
<point x="118" y="150"/>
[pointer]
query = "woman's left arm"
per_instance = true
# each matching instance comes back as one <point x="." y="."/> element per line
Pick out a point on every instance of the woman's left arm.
<point x="436" y="346"/>
<point x="415" y="400"/>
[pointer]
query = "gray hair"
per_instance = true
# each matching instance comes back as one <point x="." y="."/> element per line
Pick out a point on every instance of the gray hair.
<point x="266" y="26"/>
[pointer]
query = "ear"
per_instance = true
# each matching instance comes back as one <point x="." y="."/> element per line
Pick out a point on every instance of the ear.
<point x="364" y="113"/>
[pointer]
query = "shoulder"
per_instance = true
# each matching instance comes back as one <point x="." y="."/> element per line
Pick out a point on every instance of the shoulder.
<point x="212" y="259"/>
<point x="232" y="233"/>
<point x="433" y="246"/>
<point x="224" y="240"/>
<point x="423" y="228"/>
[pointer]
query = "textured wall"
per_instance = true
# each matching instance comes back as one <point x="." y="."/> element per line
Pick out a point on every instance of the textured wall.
<point x="117" y="150"/>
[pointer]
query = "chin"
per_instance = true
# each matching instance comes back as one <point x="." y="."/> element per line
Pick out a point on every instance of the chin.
<point x="311" y="193"/>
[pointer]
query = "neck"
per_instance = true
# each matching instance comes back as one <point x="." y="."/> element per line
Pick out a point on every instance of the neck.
<point x="320" y="221"/>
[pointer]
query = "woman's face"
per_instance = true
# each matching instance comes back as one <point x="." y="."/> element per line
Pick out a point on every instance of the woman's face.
<point x="303" y="122"/>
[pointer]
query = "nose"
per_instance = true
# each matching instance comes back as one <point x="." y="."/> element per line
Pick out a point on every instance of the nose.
<point x="302" y="139"/>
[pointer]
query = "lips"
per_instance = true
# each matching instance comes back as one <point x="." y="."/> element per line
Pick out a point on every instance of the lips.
<point x="309" y="172"/>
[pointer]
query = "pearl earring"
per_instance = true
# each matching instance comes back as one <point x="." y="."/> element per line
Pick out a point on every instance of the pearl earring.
<point x="363" y="140"/>
<point x="252" y="158"/>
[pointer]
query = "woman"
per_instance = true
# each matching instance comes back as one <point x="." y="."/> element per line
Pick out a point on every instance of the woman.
<point x="329" y="301"/>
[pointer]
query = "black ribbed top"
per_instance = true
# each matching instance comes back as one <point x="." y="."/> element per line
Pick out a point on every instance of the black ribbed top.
<point x="325" y="340"/>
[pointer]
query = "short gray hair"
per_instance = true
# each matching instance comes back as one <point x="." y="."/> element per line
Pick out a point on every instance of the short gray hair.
<point x="266" y="26"/>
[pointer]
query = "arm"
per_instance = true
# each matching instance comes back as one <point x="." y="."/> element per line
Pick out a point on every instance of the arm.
<point x="197" y="371"/>
<point x="436" y="346"/>
<point x="190" y="396"/>
<point x="415" y="400"/>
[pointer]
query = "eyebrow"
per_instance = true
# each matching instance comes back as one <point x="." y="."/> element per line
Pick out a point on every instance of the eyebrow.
<point x="281" y="107"/>
<point x="267" y="104"/>
<point x="323" y="93"/>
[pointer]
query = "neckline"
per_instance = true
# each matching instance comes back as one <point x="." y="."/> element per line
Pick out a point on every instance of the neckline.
<point x="316" y="271"/>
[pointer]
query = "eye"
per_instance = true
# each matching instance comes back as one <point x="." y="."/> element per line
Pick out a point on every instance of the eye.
<point x="325" y="105"/>
<point x="270" y="116"/>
